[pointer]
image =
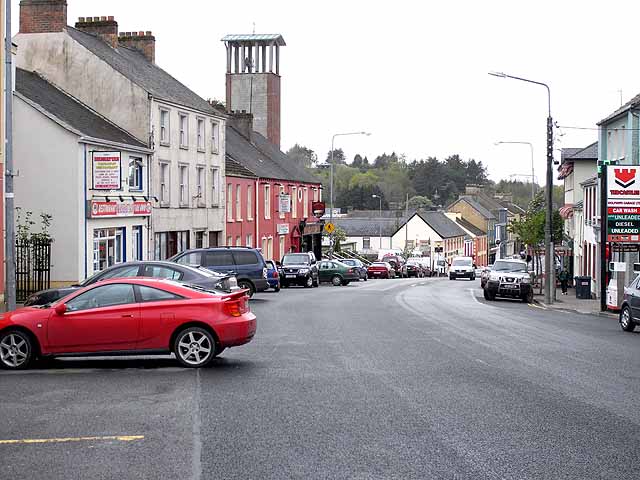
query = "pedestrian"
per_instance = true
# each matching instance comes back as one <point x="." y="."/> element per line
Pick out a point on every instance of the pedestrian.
<point x="564" y="280"/>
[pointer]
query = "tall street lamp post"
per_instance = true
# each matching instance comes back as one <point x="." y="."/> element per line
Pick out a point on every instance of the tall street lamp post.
<point x="380" y="222"/>
<point x="549" y="262"/>
<point x="533" y="173"/>
<point x="333" y="139"/>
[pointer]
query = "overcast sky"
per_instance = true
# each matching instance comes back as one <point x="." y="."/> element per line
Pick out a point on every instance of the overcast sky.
<point x="414" y="74"/>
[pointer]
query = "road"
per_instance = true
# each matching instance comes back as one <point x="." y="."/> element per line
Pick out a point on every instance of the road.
<point x="389" y="379"/>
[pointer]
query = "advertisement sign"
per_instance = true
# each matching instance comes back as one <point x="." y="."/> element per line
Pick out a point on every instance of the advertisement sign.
<point x="318" y="209"/>
<point x="283" y="229"/>
<point x="107" y="170"/>
<point x="284" y="203"/>
<point x="118" y="209"/>
<point x="623" y="204"/>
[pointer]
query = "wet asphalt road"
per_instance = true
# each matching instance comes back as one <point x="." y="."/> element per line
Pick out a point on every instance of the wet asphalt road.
<point x="394" y="379"/>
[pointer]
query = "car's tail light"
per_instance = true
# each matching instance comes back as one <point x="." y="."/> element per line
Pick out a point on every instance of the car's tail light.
<point x="276" y="274"/>
<point x="236" y="306"/>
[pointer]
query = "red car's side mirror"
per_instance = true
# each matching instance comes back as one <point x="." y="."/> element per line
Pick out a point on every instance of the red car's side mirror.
<point x="61" y="309"/>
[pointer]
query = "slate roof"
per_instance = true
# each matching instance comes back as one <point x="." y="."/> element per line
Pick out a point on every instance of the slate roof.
<point x="367" y="227"/>
<point x="568" y="152"/>
<point x="470" y="226"/>
<point x="634" y="102"/>
<point x="263" y="159"/>
<point x="586" y="153"/>
<point x="70" y="110"/>
<point x="443" y="225"/>
<point x="135" y="66"/>
<point x="476" y="206"/>
<point x="234" y="169"/>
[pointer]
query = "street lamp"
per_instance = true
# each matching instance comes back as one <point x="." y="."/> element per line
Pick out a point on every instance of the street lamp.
<point x="331" y="183"/>
<point x="533" y="173"/>
<point x="380" y="223"/>
<point x="549" y="250"/>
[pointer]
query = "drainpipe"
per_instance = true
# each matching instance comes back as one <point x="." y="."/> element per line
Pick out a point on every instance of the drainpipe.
<point x="257" y="216"/>
<point x="10" y="236"/>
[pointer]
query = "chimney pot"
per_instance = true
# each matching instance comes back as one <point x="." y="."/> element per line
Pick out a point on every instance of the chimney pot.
<point x="149" y="34"/>
<point x="111" y="18"/>
<point x="107" y="30"/>
<point x="142" y="41"/>
<point x="96" y="19"/>
<point x="134" y="34"/>
<point x="141" y="34"/>
<point x="81" y="19"/>
<point x="103" y="19"/>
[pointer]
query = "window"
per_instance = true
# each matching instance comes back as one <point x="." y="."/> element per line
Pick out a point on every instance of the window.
<point x="294" y="202"/>
<point x="249" y="240"/>
<point x="280" y="214"/>
<point x="238" y="241"/>
<point x="200" y="186"/>
<point x="199" y="239"/>
<point x="164" y="184"/>
<point x="281" y="246"/>
<point x="201" y="135"/>
<point x="218" y="258"/>
<point x="366" y="243"/>
<point x="136" y="239"/>
<point x="120" y="272"/>
<point x="230" y="241"/>
<point x="246" y="257"/>
<point x="184" y="185"/>
<point x="214" y="137"/>
<point x="239" y="203"/>
<point x="168" y="244"/>
<point x="149" y="294"/>
<point x="182" y="241"/>
<point x="107" y="248"/>
<point x="229" y="203"/>
<point x="193" y="258"/>
<point x="165" y="129"/>
<point x="184" y="131"/>
<point x="267" y="202"/>
<point x="215" y="200"/>
<point x="249" y="202"/>
<point x="135" y="174"/>
<point x="264" y="247"/>
<point x="155" y="271"/>
<point x="306" y="203"/>
<point x="105" y="296"/>
<point x="270" y="248"/>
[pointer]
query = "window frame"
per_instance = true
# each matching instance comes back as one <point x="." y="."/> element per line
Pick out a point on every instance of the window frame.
<point x="267" y="201"/>
<point x="238" y="199"/>
<point x="249" y="202"/>
<point x="215" y="129"/>
<point x="93" y="290"/>
<point x="183" y="185"/>
<point x="281" y="215"/>
<point x="165" y="140"/>
<point x="229" y="203"/>
<point x="139" y="288"/>
<point x="164" y="167"/>
<point x="201" y="185"/>
<point x="139" y="174"/>
<point x="201" y="142"/>
<point x="183" y="134"/>
<point x="294" y="202"/>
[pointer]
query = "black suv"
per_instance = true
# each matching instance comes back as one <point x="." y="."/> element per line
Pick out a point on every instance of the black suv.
<point x="509" y="278"/>
<point x="299" y="269"/>
<point x="247" y="264"/>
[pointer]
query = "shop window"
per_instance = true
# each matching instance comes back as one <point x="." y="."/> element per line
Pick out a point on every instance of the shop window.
<point x="168" y="244"/>
<point x="135" y="174"/>
<point x="199" y="239"/>
<point x="108" y="248"/>
<point x="136" y="238"/>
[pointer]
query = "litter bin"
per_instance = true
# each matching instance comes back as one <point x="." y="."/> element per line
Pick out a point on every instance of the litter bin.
<point x="583" y="288"/>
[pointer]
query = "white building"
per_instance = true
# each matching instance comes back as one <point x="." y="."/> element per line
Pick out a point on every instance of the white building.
<point x="88" y="174"/>
<point x="116" y="75"/>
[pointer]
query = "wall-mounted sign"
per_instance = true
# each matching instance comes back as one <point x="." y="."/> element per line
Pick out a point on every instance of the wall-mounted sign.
<point x="284" y="203"/>
<point x="623" y="204"/>
<point x="118" y="209"/>
<point x="107" y="170"/>
<point x="318" y="209"/>
<point x="283" y="229"/>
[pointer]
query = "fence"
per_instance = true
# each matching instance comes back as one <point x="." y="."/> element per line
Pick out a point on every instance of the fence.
<point x="33" y="267"/>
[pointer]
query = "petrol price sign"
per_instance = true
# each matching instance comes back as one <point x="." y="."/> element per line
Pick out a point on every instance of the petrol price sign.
<point x="623" y="204"/>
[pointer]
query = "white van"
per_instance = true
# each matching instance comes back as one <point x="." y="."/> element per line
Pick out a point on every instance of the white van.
<point x="462" y="267"/>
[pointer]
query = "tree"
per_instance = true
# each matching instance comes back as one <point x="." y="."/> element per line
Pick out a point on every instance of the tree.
<point x="419" y="202"/>
<point x="359" y="162"/>
<point x="338" y="157"/>
<point x="302" y="155"/>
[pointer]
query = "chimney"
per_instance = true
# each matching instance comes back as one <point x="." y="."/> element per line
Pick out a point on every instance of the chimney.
<point x="242" y="122"/>
<point x="144" y="42"/>
<point x="473" y="189"/>
<point x="104" y="27"/>
<point x="43" y="16"/>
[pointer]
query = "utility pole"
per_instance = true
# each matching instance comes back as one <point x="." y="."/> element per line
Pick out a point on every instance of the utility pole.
<point x="10" y="236"/>
<point x="603" y="170"/>
<point x="406" y="225"/>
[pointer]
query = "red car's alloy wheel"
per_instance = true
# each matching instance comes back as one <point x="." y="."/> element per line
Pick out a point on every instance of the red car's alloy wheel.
<point x="194" y="347"/>
<point x="15" y="350"/>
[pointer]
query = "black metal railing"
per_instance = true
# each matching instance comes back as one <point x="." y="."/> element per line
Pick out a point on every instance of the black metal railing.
<point x="33" y="267"/>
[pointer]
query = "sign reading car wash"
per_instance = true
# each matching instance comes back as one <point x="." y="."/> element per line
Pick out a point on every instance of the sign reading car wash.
<point x="623" y="204"/>
<point x="118" y="209"/>
<point x="107" y="168"/>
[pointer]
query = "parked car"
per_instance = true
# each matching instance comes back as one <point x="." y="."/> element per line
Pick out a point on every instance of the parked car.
<point x="359" y="266"/>
<point x="169" y="270"/>
<point x="415" y="268"/>
<point x="247" y="264"/>
<point x="381" y="270"/>
<point x="630" y="307"/>
<point x="509" y="278"/>
<point x="484" y="276"/>
<point x="396" y="261"/>
<point x="337" y="273"/>
<point x="273" y="275"/>
<point x="462" y="267"/>
<point x="300" y="269"/>
<point x="132" y="316"/>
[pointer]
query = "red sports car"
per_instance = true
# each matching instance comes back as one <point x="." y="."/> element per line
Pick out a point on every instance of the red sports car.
<point x="133" y="316"/>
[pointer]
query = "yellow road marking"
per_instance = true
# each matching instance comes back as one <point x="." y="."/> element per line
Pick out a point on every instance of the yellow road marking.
<point x="536" y="306"/>
<point x="119" y="438"/>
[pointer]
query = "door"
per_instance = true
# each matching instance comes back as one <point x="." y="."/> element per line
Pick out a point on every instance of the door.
<point x="247" y="264"/>
<point x="105" y="318"/>
<point x="159" y="313"/>
<point x="326" y="271"/>
<point x="219" y="261"/>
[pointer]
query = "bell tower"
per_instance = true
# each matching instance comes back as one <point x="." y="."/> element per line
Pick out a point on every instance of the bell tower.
<point x="253" y="80"/>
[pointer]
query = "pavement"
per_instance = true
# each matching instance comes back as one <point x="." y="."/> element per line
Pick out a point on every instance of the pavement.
<point x="386" y="379"/>
<point x="570" y="302"/>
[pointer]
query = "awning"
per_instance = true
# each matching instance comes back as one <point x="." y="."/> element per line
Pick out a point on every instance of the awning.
<point x="565" y="170"/>
<point x="566" y="212"/>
